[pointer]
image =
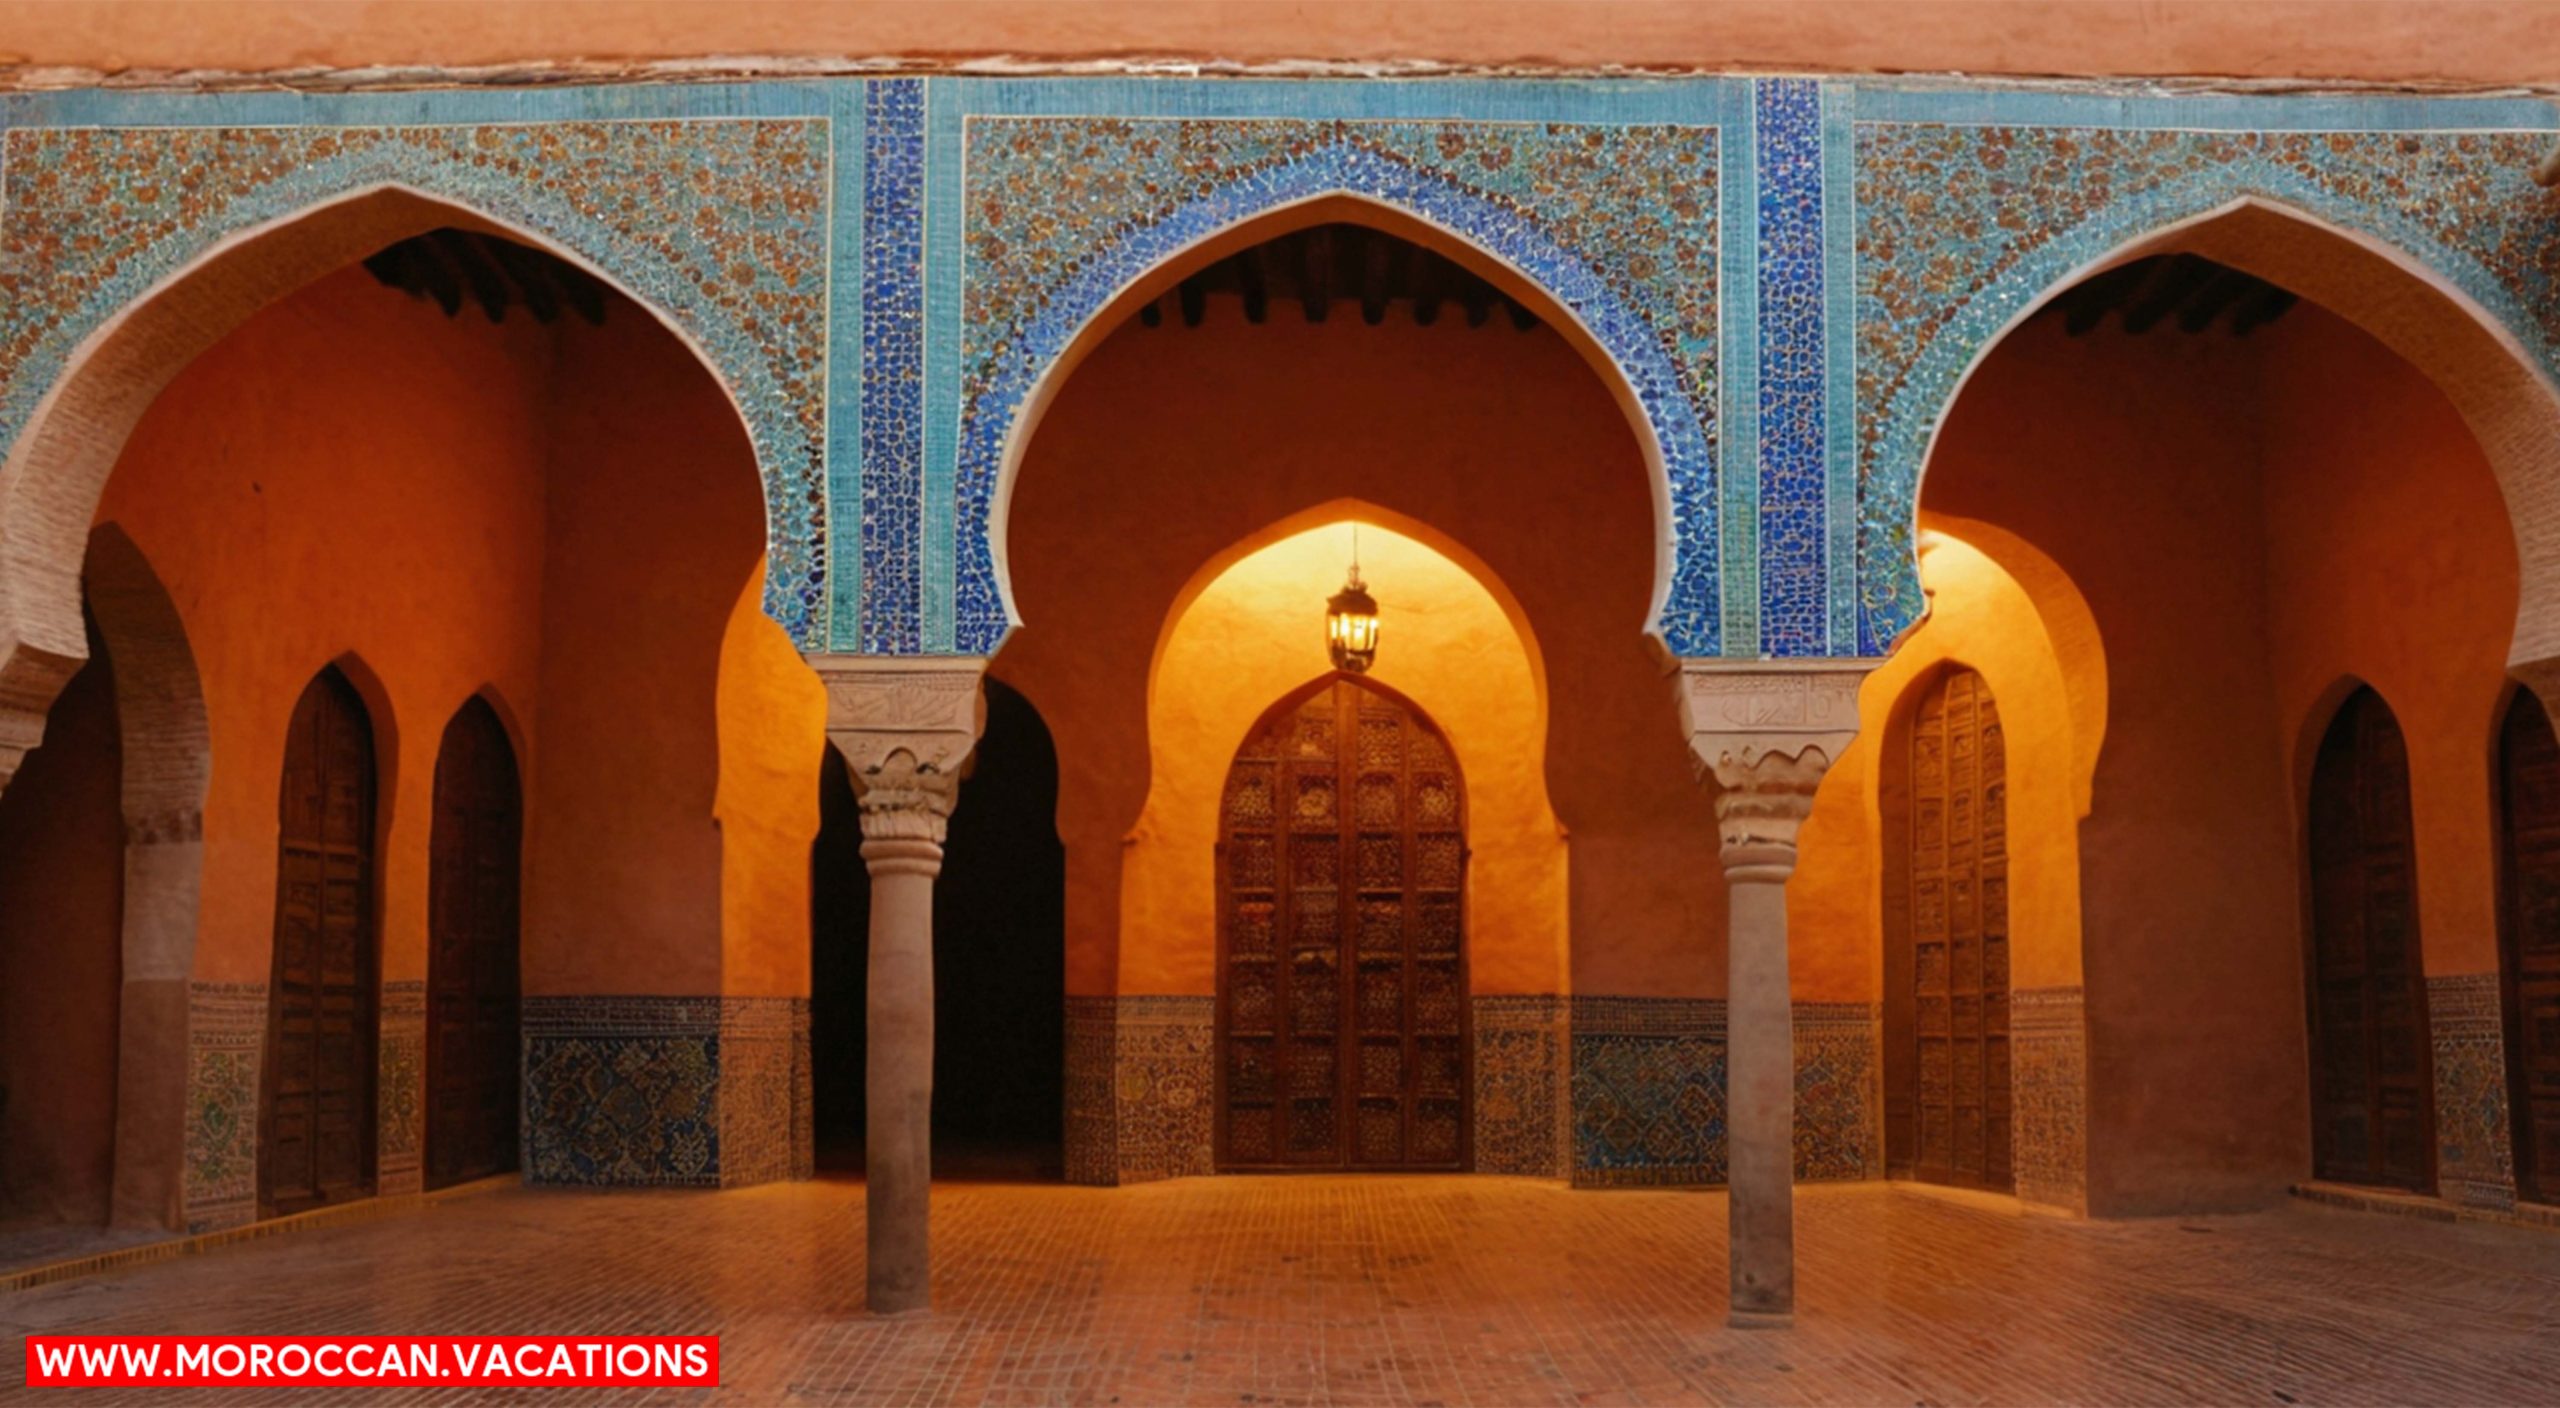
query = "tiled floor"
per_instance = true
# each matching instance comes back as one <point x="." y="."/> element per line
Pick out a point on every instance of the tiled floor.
<point x="1447" y="1290"/>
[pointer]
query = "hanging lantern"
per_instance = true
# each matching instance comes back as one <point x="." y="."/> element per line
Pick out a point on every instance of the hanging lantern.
<point x="1351" y="619"/>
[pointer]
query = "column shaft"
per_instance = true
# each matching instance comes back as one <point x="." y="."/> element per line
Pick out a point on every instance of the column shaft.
<point x="1760" y="1101"/>
<point x="898" y="1074"/>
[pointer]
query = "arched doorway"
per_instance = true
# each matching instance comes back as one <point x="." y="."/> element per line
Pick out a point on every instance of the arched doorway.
<point x="1947" y="1069"/>
<point x="1342" y="1012"/>
<point x="2529" y="939"/>
<point x="999" y="961"/>
<point x="474" y="904"/>
<point x="2372" y="1096"/>
<point x="316" y="1115"/>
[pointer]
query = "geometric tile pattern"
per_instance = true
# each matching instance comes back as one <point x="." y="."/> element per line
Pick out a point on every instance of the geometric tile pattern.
<point x="1618" y="223"/>
<point x="401" y="1089"/>
<point x="1522" y="1064"/>
<point x="1839" y="1132"/>
<point x="892" y="350"/>
<point x="226" y="1033"/>
<point x="1093" y="1111"/>
<point x="622" y="1090"/>
<point x="1165" y="1086"/>
<point x="2049" y="1097"/>
<point x="718" y="224"/>
<point x="2475" y="1153"/>
<point x="1794" y="603"/>
<point x="1962" y="227"/>
<point x="762" y="1058"/>
<point x="1648" y="1091"/>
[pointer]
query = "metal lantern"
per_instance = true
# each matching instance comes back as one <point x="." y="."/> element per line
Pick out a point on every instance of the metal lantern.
<point x="1351" y="619"/>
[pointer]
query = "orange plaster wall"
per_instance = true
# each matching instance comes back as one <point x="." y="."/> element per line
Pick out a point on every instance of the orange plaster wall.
<point x="2389" y="560"/>
<point x="2133" y="463"/>
<point x="1168" y="445"/>
<point x="1255" y="634"/>
<point x="773" y="731"/>
<point x="1981" y="619"/>
<point x="567" y="516"/>
<point x="61" y="960"/>
<point x="348" y="471"/>
<point x="657" y="528"/>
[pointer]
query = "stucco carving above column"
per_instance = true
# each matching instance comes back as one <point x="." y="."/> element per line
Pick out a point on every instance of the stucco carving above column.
<point x="1768" y="730"/>
<point x="905" y="728"/>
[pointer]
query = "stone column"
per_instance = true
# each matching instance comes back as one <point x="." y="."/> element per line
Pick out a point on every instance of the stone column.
<point x="905" y="728"/>
<point x="1767" y="731"/>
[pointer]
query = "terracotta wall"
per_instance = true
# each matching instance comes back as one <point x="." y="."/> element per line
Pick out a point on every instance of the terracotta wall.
<point x="2495" y="43"/>
<point x="349" y="473"/>
<point x="61" y="910"/>
<point x="1169" y="445"/>
<point x="1254" y="634"/>
<point x="2249" y="520"/>
<point x="2389" y="562"/>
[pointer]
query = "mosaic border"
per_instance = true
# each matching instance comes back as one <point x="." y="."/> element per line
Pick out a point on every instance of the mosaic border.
<point x="718" y="223"/>
<point x="1523" y="1067"/>
<point x="1062" y="214"/>
<point x="1648" y="1091"/>
<point x="1839" y="1125"/>
<point x="622" y="1090"/>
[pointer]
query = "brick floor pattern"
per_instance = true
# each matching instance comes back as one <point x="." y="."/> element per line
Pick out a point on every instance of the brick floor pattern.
<point x="1391" y="1291"/>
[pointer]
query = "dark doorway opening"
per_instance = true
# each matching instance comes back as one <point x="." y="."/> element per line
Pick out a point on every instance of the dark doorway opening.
<point x="999" y="962"/>
<point x="473" y="907"/>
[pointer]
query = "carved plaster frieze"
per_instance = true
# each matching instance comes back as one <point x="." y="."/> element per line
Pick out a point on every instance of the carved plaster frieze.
<point x="905" y="728"/>
<point x="1767" y="730"/>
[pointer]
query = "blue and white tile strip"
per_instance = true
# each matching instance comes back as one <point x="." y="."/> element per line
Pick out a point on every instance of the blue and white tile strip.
<point x="1788" y="241"/>
<point x="892" y="364"/>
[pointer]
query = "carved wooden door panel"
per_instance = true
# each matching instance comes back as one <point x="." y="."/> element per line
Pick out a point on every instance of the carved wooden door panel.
<point x="2529" y="934"/>
<point x="1342" y="993"/>
<point x="1948" y="1097"/>
<point x="473" y="899"/>
<point x="317" y="1108"/>
<point x="2371" y="1074"/>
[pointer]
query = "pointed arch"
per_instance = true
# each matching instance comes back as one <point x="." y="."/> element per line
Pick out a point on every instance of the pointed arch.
<point x="1342" y="183"/>
<point x="2415" y="294"/>
<point x="73" y="433"/>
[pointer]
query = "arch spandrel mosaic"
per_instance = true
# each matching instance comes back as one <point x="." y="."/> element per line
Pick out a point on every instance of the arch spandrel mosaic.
<point x="720" y="225"/>
<point x="1791" y="275"/>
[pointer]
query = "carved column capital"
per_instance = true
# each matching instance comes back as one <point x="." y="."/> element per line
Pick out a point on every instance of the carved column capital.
<point x="905" y="727"/>
<point x="1767" y="730"/>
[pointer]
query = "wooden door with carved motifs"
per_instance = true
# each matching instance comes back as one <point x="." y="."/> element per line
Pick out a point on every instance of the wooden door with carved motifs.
<point x="1947" y="1095"/>
<point x="2372" y="1077"/>
<point x="473" y="906"/>
<point x="1342" y="983"/>
<point x="317" y="1085"/>
<point x="2529" y="940"/>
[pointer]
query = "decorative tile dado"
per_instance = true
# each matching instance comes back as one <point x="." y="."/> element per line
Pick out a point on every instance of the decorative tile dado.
<point x="1523" y="1061"/>
<point x="1619" y="223"/>
<point x="226" y="1032"/>
<point x="2475" y="1151"/>
<point x="622" y="1090"/>
<point x="401" y="1089"/>
<point x="1165" y="1085"/>
<point x="1648" y="1091"/>
<point x="1960" y="228"/>
<point x="718" y="223"/>
<point x="2049" y="1097"/>
<point x="1092" y="1086"/>
<point x="1839" y="1133"/>
<point x="762" y="1062"/>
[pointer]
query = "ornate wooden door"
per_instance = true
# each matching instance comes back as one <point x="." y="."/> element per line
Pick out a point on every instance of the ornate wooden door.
<point x="1947" y="1107"/>
<point x="2371" y="1075"/>
<point x="472" y="941"/>
<point x="317" y="1108"/>
<point x="1342" y="986"/>
<point x="2529" y="940"/>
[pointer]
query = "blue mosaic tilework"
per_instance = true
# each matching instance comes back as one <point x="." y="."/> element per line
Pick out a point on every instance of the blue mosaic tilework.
<point x="720" y="224"/>
<point x="892" y="365"/>
<point x="1962" y="228"/>
<point x="622" y="1090"/>
<point x="1618" y="223"/>
<point x="1648" y="1091"/>
<point x="1794" y="607"/>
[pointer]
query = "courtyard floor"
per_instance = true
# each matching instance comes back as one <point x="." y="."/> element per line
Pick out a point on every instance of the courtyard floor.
<point x="1406" y="1290"/>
